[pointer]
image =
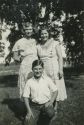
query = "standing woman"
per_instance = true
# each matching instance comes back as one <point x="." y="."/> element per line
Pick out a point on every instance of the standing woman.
<point x="25" y="51"/>
<point x="50" y="53"/>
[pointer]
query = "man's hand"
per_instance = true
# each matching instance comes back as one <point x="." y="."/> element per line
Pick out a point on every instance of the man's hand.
<point x="29" y="115"/>
<point x="48" y="104"/>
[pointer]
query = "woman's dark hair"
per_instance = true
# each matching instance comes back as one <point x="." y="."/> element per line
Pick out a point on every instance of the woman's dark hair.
<point x="39" y="33"/>
<point x="27" y="24"/>
<point x="37" y="62"/>
<point x="44" y="28"/>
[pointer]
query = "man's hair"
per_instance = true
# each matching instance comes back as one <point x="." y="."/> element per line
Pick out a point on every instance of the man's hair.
<point x="37" y="62"/>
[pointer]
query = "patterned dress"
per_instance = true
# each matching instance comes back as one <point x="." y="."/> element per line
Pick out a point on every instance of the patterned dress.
<point x="29" y="52"/>
<point x="48" y="55"/>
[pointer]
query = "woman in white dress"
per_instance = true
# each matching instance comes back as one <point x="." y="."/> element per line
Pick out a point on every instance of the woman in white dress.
<point x="25" y="51"/>
<point x="49" y="52"/>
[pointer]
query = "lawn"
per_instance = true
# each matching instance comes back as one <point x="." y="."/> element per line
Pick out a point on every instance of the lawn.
<point x="70" y="112"/>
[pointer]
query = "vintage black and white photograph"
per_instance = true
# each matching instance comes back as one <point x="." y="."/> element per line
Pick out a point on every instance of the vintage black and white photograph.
<point x="41" y="62"/>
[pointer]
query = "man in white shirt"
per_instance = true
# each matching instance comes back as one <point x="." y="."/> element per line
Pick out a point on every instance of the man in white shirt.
<point x="39" y="94"/>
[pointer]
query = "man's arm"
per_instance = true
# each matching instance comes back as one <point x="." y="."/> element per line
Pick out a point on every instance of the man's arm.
<point x="27" y="104"/>
<point x="53" y="98"/>
<point x="29" y="112"/>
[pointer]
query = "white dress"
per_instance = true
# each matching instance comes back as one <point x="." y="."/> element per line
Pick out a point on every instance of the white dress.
<point x="30" y="54"/>
<point x="48" y="55"/>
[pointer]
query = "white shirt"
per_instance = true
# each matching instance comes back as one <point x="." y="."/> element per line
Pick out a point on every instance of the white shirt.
<point x="39" y="91"/>
<point x="24" y="44"/>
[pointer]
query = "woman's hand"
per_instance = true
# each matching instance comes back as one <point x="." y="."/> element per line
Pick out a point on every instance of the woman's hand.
<point x="60" y="74"/>
<point x="21" y="58"/>
<point x="21" y="53"/>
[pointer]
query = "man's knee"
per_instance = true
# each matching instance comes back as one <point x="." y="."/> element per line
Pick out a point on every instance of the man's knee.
<point x="50" y="111"/>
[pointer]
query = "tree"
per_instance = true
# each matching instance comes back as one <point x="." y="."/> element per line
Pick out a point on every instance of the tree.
<point x="18" y="11"/>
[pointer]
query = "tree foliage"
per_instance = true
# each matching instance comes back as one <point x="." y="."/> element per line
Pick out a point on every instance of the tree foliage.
<point x="17" y="11"/>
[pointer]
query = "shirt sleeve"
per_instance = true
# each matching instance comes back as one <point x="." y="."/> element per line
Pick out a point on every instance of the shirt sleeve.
<point x="19" y="45"/>
<point x="26" y="92"/>
<point x="51" y="85"/>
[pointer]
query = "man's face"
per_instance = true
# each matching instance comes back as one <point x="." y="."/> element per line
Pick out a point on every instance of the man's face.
<point x="38" y="70"/>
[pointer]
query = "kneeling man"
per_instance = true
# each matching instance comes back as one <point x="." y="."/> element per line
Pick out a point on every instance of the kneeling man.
<point x="39" y="94"/>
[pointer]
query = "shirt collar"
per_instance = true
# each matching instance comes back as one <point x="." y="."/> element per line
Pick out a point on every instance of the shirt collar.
<point x="42" y="77"/>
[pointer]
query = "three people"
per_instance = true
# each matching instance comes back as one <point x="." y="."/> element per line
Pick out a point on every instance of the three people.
<point x="36" y="86"/>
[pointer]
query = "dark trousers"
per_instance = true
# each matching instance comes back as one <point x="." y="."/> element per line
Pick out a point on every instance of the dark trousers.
<point x="37" y="109"/>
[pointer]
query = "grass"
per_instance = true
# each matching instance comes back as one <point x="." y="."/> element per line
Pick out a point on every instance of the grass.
<point x="70" y="112"/>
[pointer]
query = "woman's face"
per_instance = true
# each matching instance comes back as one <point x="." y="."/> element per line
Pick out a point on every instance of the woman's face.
<point x="44" y="35"/>
<point x="28" y="31"/>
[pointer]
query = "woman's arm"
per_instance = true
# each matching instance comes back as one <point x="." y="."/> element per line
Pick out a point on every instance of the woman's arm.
<point x="60" y="60"/>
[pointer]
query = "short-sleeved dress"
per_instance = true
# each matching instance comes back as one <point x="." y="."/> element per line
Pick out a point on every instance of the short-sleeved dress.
<point x="48" y="55"/>
<point x="30" y="54"/>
